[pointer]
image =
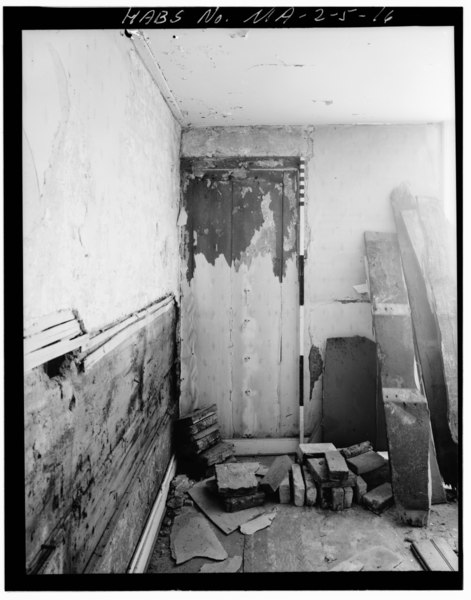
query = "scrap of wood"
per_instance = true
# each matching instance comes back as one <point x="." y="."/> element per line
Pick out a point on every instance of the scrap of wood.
<point x="205" y="496"/>
<point x="65" y="331"/>
<point x="405" y="408"/>
<point x="216" y="454"/>
<point x="435" y="555"/>
<point x="38" y="324"/>
<point x="261" y="522"/>
<point x="196" y="416"/>
<point x="230" y="565"/>
<point x="39" y="357"/>
<point x="192" y="536"/>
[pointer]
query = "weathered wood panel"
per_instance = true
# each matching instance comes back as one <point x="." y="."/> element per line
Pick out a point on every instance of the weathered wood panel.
<point x="240" y="295"/>
<point x="206" y="305"/>
<point x="426" y="334"/>
<point x="406" y="410"/>
<point x="289" y="374"/>
<point x="256" y="305"/>
<point x="436" y="252"/>
<point x="85" y="434"/>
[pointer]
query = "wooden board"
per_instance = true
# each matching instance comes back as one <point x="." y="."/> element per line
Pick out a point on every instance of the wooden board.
<point x="206" y="498"/>
<point x="406" y="410"/>
<point x="349" y="391"/>
<point x="435" y="555"/>
<point x="432" y="244"/>
<point x="412" y="244"/>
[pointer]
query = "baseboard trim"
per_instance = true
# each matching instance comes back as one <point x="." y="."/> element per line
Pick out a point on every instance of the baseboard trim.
<point x="261" y="446"/>
<point x="142" y="554"/>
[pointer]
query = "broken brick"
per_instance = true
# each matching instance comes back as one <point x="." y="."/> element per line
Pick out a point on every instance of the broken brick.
<point x="337" y="498"/>
<point x="379" y="499"/>
<point x="311" y="490"/>
<point x="299" y="490"/>
<point x="336" y="466"/>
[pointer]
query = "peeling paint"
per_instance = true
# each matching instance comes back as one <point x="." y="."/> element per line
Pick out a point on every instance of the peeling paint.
<point x="316" y="366"/>
<point x="240" y="221"/>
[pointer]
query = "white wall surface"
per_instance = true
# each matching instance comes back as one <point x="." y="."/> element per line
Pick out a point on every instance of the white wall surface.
<point x="100" y="176"/>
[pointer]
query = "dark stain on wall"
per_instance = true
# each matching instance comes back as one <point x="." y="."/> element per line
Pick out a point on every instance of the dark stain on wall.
<point x="315" y="366"/>
<point x="227" y="207"/>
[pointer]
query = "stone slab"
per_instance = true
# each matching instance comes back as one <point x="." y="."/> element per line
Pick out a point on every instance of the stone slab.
<point x="235" y="479"/>
<point x="192" y="536"/>
<point x="230" y="565"/>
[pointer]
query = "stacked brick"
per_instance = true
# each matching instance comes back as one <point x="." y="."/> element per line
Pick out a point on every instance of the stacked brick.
<point x="199" y="444"/>
<point x="335" y="479"/>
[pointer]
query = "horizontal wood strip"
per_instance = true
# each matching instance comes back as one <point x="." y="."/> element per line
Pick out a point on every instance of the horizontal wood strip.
<point x="121" y="333"/>
<point x="52" y="335"/>
<point x="38" y="324"/>
<point x="39" y="357"/>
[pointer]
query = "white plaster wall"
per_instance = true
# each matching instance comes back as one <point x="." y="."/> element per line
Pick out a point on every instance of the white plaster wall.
<point x="351" y="170"/>
<point x="100" y="176"/>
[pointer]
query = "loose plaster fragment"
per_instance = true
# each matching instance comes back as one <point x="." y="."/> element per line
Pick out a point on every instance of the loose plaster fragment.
<point x="258" y="523"/>
<point x="230" y="565"/>
<point x="192" y="536"/>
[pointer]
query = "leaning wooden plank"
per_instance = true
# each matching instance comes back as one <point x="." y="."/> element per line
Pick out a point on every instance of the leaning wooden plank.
<point x="38" y="324"/>
<point x="39" y="357"/>
<point x="412" y="244"/>
<point x="406" y="410"/>
<point x="208" y="501"/>
<point x="431" y="557"/>
<point x="65" y="331"/>
<point x="92" y="358"/>
<point x="434" y="249"/>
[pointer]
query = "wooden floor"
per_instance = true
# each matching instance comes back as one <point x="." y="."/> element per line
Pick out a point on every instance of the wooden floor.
<point x="309" y="539"/>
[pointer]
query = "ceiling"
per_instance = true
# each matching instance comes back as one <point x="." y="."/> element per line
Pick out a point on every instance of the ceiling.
<point x="307" y="76"/>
